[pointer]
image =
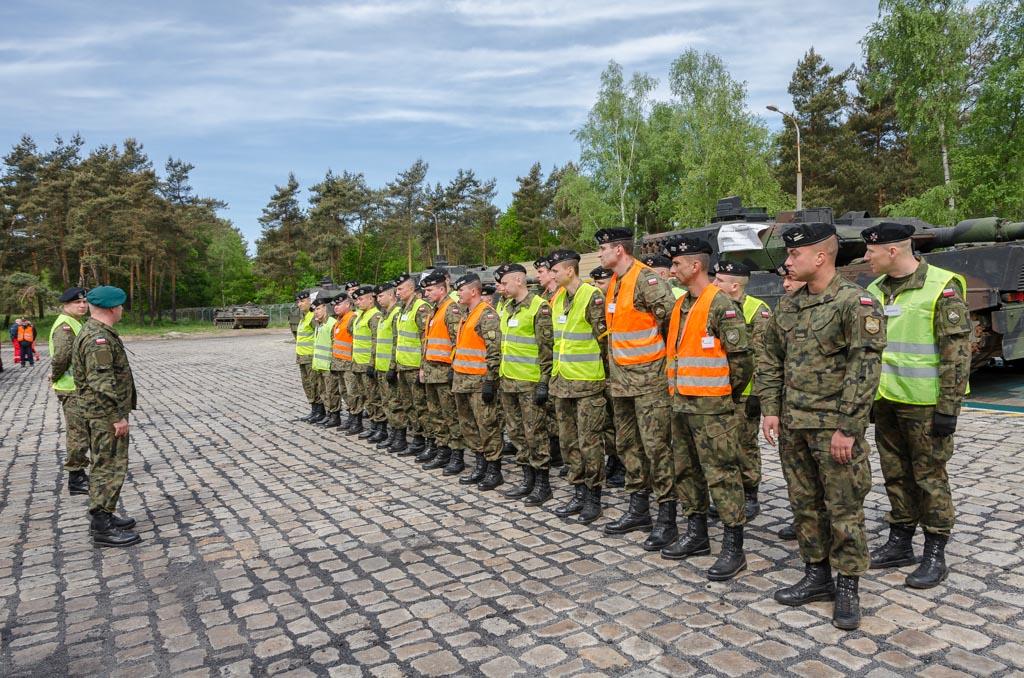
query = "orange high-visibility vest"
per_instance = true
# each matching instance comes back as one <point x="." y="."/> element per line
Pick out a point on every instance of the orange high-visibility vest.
<point x="438" y="343"/>
<point x="634" y="336"/>
<point x="470" y="349"/>
<point x="341" y="346"/>
<point x="695" y="368"/>
<point x="26" y="333"/>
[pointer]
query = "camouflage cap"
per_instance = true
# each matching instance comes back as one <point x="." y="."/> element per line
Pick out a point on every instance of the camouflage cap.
<point x="467" y="279"/>
<point x="106" y="296"/>
<point x="803" y="235"/>
<point x="886" y="232"/>
<point x="657" y="261"/>
<point x="600" y="273"/>
<point x="611" y="235"/>
<point x="733" y="268"/>
<point x="72" y="294"/>
<point x="505" y="269"/>
<point x="684" y="246"/>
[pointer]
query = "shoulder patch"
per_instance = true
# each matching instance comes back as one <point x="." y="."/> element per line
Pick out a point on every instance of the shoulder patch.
<point x="652" y="281"/>
<point x="867" y="301"/>
<point x="598" y="301"/>
<point x="101" y="340"/>
<point x="66" y="328"/>
<point x="732" y="336"/>
<point x="766" y="314"/>
<point x="949" y="292"/>
<point x="730" y="314"/>
<point x="953" y="317"/>
<point x="872" y="325"/>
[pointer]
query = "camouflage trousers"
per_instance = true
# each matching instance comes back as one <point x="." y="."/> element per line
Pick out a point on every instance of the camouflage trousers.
<point x="354" y="399"/>
<point x="442" y="417"/>
<point x="608" y="432"/>
<point x="412" y="402"/>
<point x="478" y="423"/>
<point x="330" y="388"/>
<point x="914" y="466"/>
<point x="747" y="429"/>
<point x="77" y="435"/>
<point x="527" y="426"/>
<point x="388" y="399"/>
<point x="707" y="458"/>
<point x="642" y="439"/>
<point x="550" y="419"/>
<point x="581" y="423"/>
<point x="827" y="498"/>
<point x="109" y="465"/>
<point x="310" y="383"/>
<point x="370" y="390"/>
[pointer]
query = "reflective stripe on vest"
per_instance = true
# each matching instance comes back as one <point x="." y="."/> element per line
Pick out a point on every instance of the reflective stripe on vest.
<point x="342" y="347"/>
<point x="304" y="335"/>
<point x="577" y="355"/>
<point x="751" y="305"/>
<point x="385" y="341"/>
<point x="520" y="355"/>
<point x="438" y="343"/>
<point x="408" y="350"/>
<point x="634" y="338"/>
<point x="323" y="340"/>
<point x="362" y="336"/>
<point x="910" y="361"/>
<point x="470" y="349"/>
<point x="66" y="383"/>
<point x="692" y="369"/>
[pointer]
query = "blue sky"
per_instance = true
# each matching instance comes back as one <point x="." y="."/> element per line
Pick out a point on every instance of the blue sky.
<point x="248" y="91"/>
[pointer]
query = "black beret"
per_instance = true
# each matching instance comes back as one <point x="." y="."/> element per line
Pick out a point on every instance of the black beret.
<point x="657" y="261"/>
<point x="351" y="285"/>
<point x="301" y="294"/>
<point x="466" y="280"/>
<point x="608" y="235"/>
<point x="404" y="277"/>
<point x="733" y="268"/>
<point x="489" y="289"/>
<point x="542" y="263"/>
<point x="72" y="294"/>
<point x="384" y="286"/>
<point x="321" y="300"/>
<point x="505" y="269"/>
<point x="803" y="235"/>
<point x="340" y="297"/>
<point x="563" y="255"/>
<point x="886" y="232"/>
<point x="683" y="245"/>
<point x="363" y="290"/>
<point x="601" y="273"/>
<point x="435" y="277"/>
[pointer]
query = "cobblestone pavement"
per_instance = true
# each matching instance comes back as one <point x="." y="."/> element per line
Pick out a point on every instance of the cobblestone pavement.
<point x="268" y="549"/>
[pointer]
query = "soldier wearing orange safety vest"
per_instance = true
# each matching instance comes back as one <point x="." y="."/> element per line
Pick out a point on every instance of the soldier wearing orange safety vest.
<point x="436" y="373"/>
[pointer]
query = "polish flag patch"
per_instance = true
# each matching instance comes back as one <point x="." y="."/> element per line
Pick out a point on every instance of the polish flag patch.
<point x="652" y="281"/>
<point x="867" y="301"/>
<point x="730" y="314"/>
<point x="948" y="292"/>
<point x="101" y="340"/>
<point x="766" y="314"/>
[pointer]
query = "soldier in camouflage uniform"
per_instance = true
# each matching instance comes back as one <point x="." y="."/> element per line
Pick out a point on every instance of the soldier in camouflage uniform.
<point x="62" y="338"/>
<point x="323" y="309"/>
<point x="476" y="362"/>
<point x="355" y="400"/>
<point x="410" y="325"/>
<point x="925" y="369"/>
<point x="384" y="359"/>
<point x="304" y="359"/>
<point x="526" y="340"/>
<point x="335" y="379"/>
<point x="364" y="374"/>
<point x="436" y="375"/>
<point x="637" y="308"/>
<point x="790" y="286"/>
<point x="549" y="289"/>
<point x="662" y="265"/>
<point x="709" y="363"/>
<point x="819" y="373"/>
<point x="106" y="396"/>
<point x="614" y="468"/>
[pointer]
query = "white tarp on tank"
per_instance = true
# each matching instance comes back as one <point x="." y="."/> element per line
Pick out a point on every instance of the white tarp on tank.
<point x="741" y="236"/>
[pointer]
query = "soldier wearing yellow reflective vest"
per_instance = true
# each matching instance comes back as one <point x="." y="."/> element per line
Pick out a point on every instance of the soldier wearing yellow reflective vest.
<point x="549" y="289"/>
<point x="577" y="385"/>
<point x="615" y="470"/>
<point x="383" y="359"/>
<point x="323" y="337"/>
<point x="364" y="370"/>
<point x="732" y="277"/>
<point x="405" y="374"/>
<point x="501" y="308"/>
<point x="304" y="358"/>
<point x="62" y="338"/>
<point x="925" y="369"/>
<point x="525" y="369"/>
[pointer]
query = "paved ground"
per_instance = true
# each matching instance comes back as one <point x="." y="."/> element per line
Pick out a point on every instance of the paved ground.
<point x="270" y="550"/>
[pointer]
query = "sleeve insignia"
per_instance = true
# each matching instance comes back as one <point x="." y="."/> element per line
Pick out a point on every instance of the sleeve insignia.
<point x="954" y="317"/>
<point x="652" y="281"/>
<point x="66" y="328"/>
<point x="872" y="325"/>
<point x="730" y="314"/>
<point x="766" y="314"/>
<point x="732" y="336"/>
<point x="948" y="292"/>
<point x="867" y="301"/>
<point x="101" y="340"/>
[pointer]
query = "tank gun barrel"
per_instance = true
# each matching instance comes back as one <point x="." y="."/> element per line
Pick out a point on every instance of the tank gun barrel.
<point x="984" y="229"/>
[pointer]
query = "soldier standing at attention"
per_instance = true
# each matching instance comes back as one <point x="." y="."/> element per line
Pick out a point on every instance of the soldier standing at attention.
<point x="709" y="362"/>
<point x="790" y="286"/>
<point x="732" y="278"/>
<point x="549" y="289"/>
<point x="341" y="352"/>
<point x="436" y="371"/>
<point x="409" y="330"/>
<point x="323" y="339"/>
<point x="526" y="343"/>
<point x="615" y="470"/>
<point x="662" y="265"/>
<point x="304" y="358"/>
<point x="577" y="384"/>
<point x="819" y="373"/>
<point x="925" y="368"/>
<point x="62" y="338"/>
<point x="637" y="307"/>
<point x="383" y="360"/>
<point x="476" y="362"/>
<point x="364" y="326"/>
<point x="350" y="380"/>
<point x="106" y="396"/>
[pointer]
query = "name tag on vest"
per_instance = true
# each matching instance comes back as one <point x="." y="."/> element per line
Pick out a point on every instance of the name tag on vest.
<point x="892" y="310"/>
<point x="405" y="317"/>
<point x="513" y="323"/>
<point x="707" y="342"/>
<point x="611" y="307"/>
<point x="562" y="319"/>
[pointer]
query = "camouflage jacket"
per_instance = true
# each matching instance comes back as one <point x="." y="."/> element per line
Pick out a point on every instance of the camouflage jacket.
<point x="755" y="331"/>
<point x="99" y="363"/>
<point x="563" y="388"/>
<point x="435" y="372"/>
<point x="489" y="329"/>
<point x="60" y="350"/>
<point x="544" y="333"/>
<point x="652" y="294"/>
<point x="822" y="358"/>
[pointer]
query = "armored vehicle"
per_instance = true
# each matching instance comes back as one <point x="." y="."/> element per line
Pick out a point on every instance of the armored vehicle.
<point x="988" y="252"/>
<point x="240" y="317"/>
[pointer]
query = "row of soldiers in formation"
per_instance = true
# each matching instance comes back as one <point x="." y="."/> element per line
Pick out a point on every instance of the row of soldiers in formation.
<point x="672" y="381"/>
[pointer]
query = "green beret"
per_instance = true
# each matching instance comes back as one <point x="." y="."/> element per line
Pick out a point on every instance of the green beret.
<point x="106" y="296"/>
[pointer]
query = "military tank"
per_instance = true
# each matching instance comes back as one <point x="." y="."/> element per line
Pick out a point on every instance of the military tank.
<point x="988" y="252"/>
<point x="241" y="317"/>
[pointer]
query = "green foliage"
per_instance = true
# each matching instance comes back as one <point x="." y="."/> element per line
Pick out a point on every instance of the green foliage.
<point x="24" y="294"/>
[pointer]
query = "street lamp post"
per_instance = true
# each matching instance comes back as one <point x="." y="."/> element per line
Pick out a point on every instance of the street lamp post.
<point x="799" y="176"/>
<point x="437" y="231"/>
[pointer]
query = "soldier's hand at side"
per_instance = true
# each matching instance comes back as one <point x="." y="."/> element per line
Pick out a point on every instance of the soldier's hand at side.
<point x="753" y="407"/>
<point x="540" y="396"/>
<point x="842" y="447"/>
<point x="370" y="370"/>
<point x="487" y="392"/>
<point x="392" y="376"/>
<point x="120" y="428"/>
<point x="943" y="425"/>
<point x="770" y="429"/>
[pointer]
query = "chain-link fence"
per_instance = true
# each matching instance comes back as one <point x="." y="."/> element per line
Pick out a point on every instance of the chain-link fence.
<point x="278" y="313"/>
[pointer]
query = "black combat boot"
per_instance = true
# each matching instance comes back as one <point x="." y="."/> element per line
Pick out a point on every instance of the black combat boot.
<point x="788" y="533"/>
<point x="442" y="456"/>
<point x="321" y="414"/>
<point x="388" y="440"/>
<point x="555" y="449"/>
<point x="78" y="482"/>
<point x="348" y="423"/>
<point x="357" y="426"/>
<point x="731" y="561"/>
<point x="541" y="488"/>
<point x="104" y="533"/>
<point x="665" y="531"/>
<point x="525" y="487"/>
<point x="591" y="506"/>
<point x="508" y="448"/>
<point x="333" y="420"/>
<point x="455" y="464"/>
<point x="932" y="570"/>
<point x="418" y="444"/>
<point x="312" y="414"/>
<point x="616" y="472"/>
<point x="399" y="445"/>
<point x="636" y="517"/>
<point x="713" y="512"/>
<point x="896" y="552"/>
<point x="428" y="453"/>
<point x="846" y="611"/>
<point x="693" y="543"/>
<point x="492" y="477"/>
<point x="575" y="504"/>
<point x="380" y="433"/>
<point x="751" y="506"/>
<point x="817" y="584"/>
<point x="478" y="472"/>
<point x="369" y="432"/>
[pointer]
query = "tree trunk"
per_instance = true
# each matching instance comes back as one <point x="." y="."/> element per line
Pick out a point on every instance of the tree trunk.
<point x="945" y="162"/>
<point x="174" y="293"/>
